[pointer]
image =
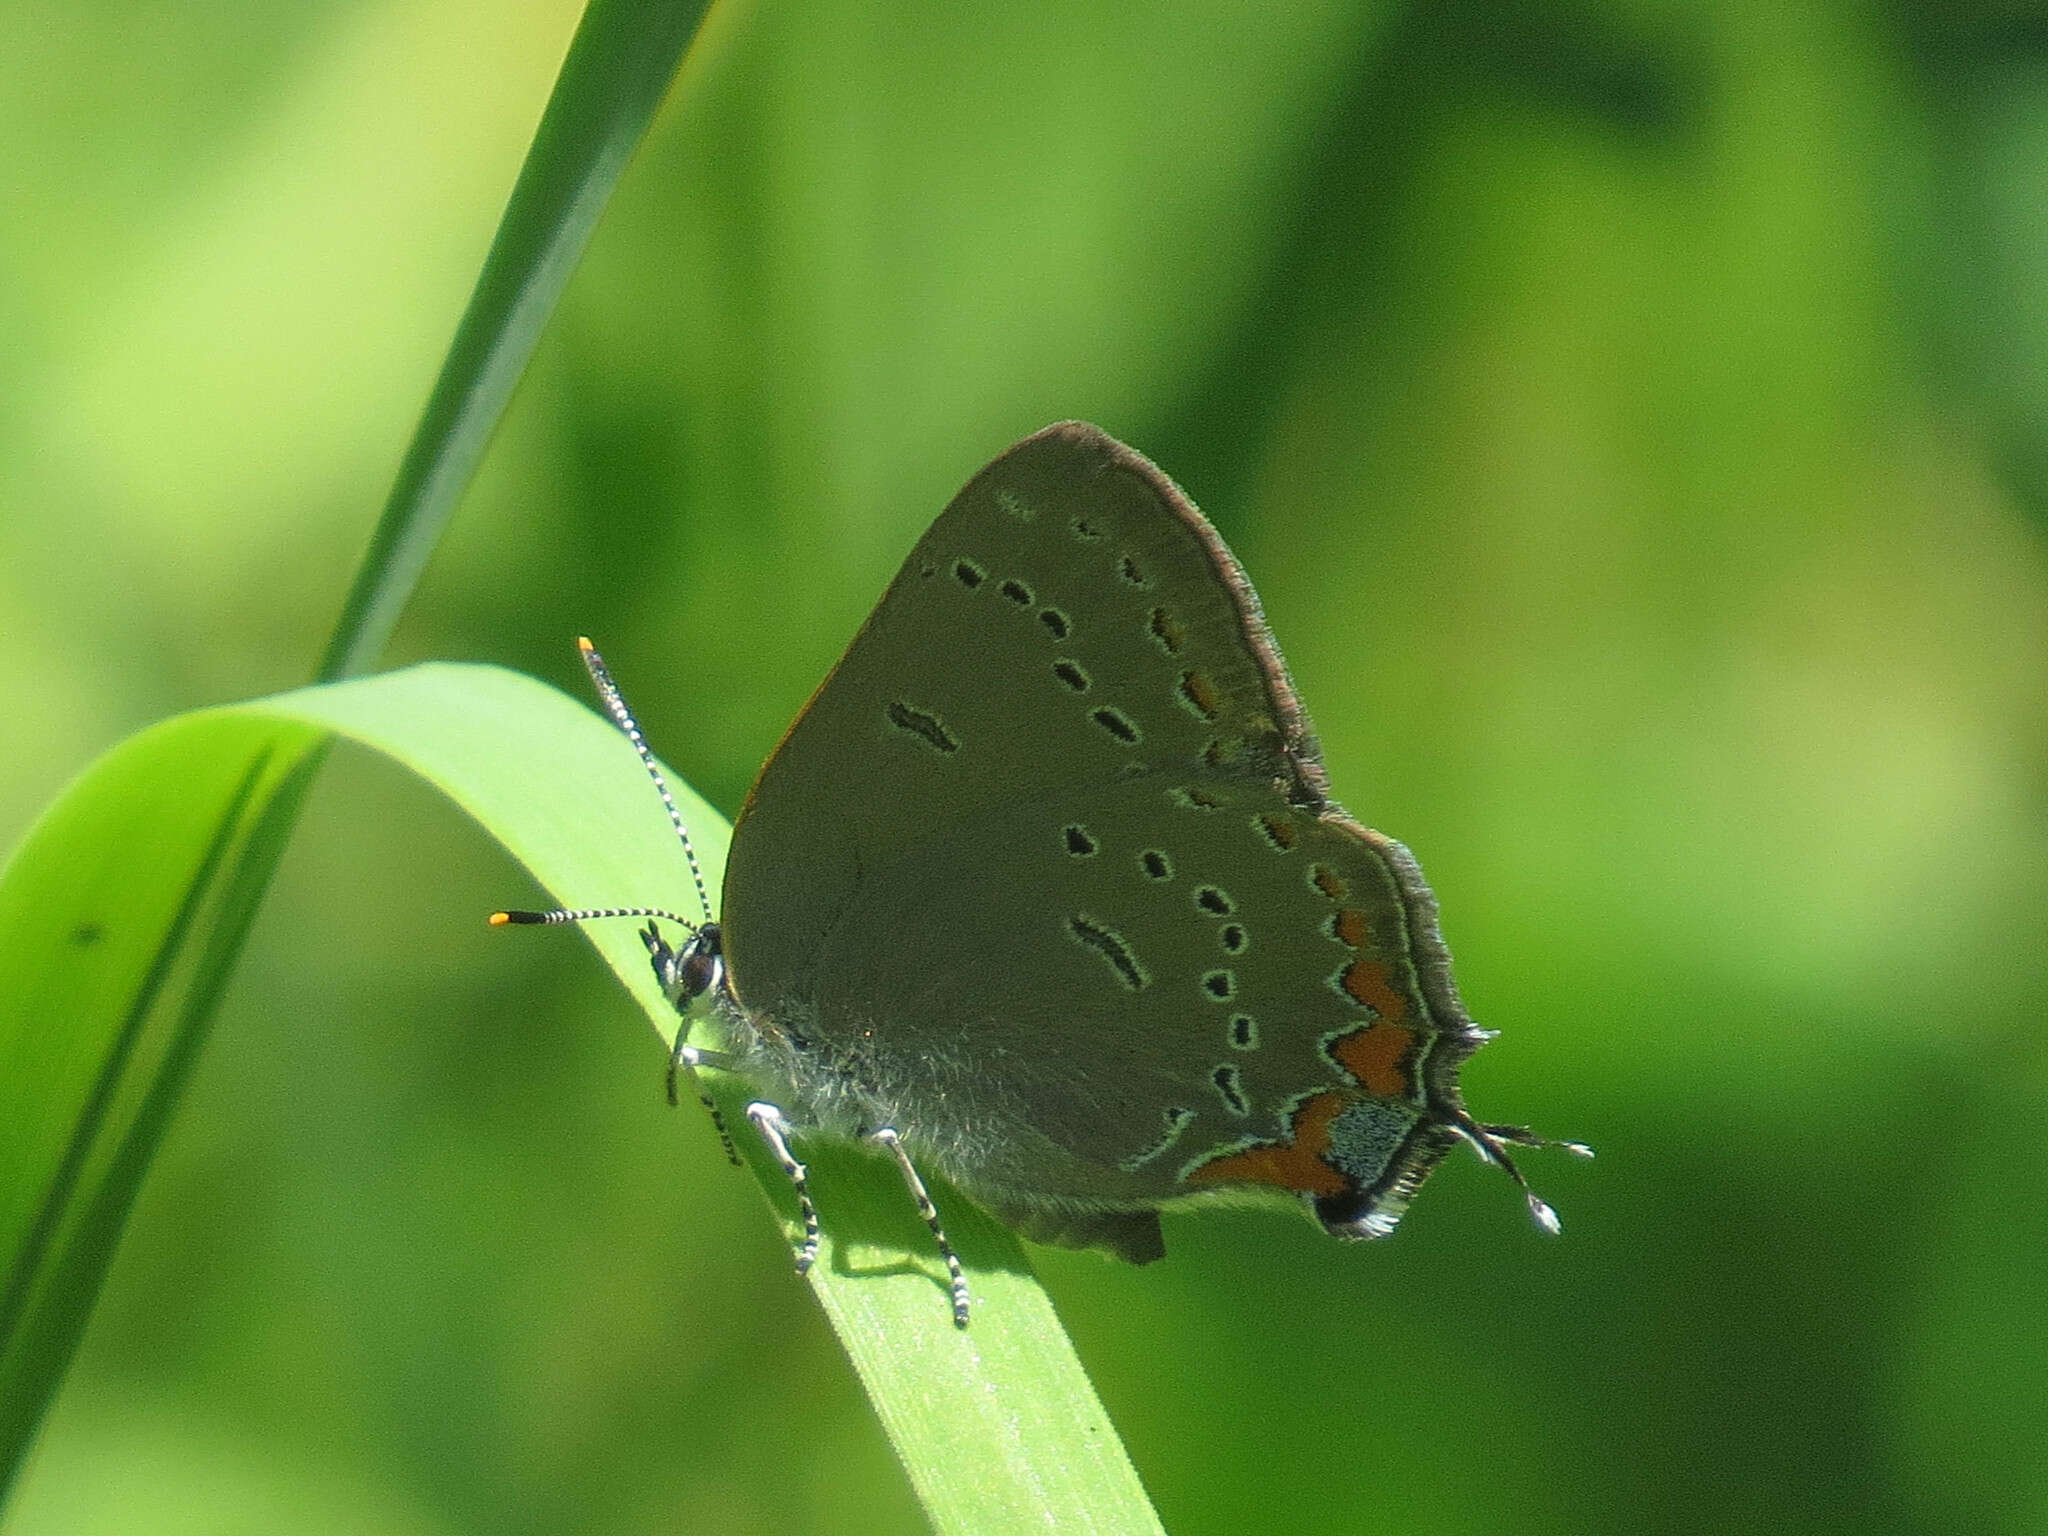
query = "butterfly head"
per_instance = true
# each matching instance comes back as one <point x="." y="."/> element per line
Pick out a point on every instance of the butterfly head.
<point x="689" y="972"/>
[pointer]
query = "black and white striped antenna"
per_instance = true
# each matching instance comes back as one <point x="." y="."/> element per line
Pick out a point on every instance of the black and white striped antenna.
<point x="669" y="964"/>
<point x="615" y="706"/>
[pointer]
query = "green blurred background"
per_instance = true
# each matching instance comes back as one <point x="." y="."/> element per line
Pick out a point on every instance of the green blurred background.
<point x="1635" y="417"/>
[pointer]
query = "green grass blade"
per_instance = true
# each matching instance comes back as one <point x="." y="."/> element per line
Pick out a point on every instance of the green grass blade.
<point x="998" y="1426"/>
<point x="619" y="65"/>
<point x="144" y="877"/>
<point x="119" y="918"/>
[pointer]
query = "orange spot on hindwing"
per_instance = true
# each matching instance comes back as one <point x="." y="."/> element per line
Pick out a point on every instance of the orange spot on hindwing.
<point x="1295" y="1165"/>
<point x="1377" y="1057"/>
<point x="1366" y="982"/>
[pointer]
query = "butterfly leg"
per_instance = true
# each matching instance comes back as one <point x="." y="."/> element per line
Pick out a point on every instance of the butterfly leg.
<point x="769" y="1122"/>
<point x="685" y="1059"/>
<point x="893" y="1144"/>
<point x="685" y="975"/>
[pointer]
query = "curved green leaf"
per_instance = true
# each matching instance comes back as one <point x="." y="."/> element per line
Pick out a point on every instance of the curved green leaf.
<point x="105" y="985"/>
<point x="146" y="879"/>
<point x="120" y="917"/>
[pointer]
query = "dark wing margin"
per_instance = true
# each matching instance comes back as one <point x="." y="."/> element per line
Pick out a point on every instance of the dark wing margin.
<point x="1310" y="786"/>
<point x="1133" y="1236"/>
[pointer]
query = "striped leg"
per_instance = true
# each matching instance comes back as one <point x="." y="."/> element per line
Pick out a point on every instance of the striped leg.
<point x="683" y="1061"/>
<point x="893" y="1144"/>
<point x="769" y="1122"/>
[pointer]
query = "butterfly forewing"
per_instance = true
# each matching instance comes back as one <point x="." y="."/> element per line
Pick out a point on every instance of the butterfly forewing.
<point x="1068" y="621"/>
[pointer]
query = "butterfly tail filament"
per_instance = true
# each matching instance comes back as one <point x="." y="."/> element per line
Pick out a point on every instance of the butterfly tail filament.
<point x="1491" y="1143"/>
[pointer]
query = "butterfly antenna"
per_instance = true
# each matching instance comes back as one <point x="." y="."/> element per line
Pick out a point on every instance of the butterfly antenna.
<point x="687" y="974"/>
<point x="1489" y="1141"/>
<point x="622" y="717"/>
<point x="588" y="914"/>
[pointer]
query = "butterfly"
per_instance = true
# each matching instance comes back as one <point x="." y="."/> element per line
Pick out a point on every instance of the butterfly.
<point x="1046" y="886"/>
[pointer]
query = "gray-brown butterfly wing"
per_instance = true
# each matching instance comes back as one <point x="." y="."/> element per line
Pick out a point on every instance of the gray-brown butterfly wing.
<point x="1046" y="875"/>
